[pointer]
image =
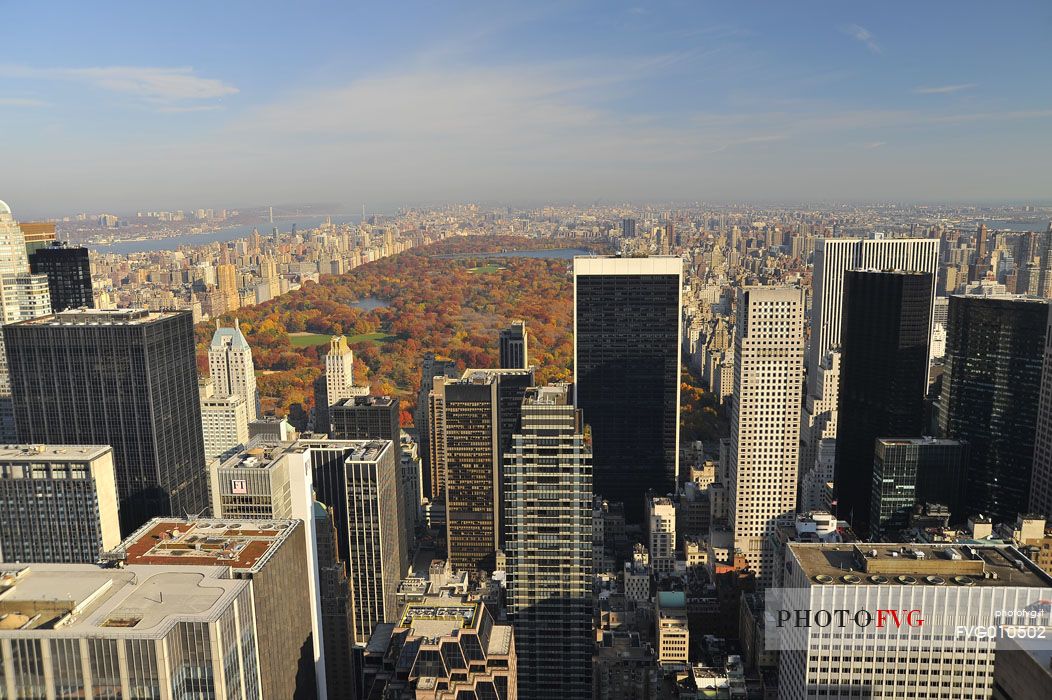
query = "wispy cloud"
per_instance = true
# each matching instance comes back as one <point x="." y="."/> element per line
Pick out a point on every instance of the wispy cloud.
<point x="874" y="144"/>
<point x="154" y="84"/>
<point x="21" y="102"/>
<point x="862" y="35"/>
<point x="942" y="89"/>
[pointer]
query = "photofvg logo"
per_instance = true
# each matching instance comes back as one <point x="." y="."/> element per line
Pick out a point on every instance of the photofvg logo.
<point x="798" y="619"/>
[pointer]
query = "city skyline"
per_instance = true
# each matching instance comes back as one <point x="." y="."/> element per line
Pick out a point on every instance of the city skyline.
<point x="672" y="101"/>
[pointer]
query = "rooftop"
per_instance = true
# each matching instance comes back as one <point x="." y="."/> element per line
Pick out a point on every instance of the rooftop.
<point x="101" y="317"/>
<point x="556" y="395"/>
<point x="241" y="545"/>
<point x="359" y="450"/>
<point x="52" y="453"/>
<point x="364" y="401"/>
<point x="436" y="616"/>
<point x="89" y="600"/>
<point x="935" y="564"/>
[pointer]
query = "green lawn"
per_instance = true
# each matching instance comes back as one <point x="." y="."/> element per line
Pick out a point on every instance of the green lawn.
<point x="378" y="337"/>
<point x="304" y="340"/>
<point x="488" y="269"/>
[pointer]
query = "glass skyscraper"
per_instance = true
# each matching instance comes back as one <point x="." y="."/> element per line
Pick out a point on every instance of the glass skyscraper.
<point x="626" y="369"/>
<point x="990" y="392"/>
<point x="883" y="377"/>
<point x="125" y="378"/>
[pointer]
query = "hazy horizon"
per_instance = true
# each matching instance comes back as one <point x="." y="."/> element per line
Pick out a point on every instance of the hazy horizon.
<point x="129" y="107"/>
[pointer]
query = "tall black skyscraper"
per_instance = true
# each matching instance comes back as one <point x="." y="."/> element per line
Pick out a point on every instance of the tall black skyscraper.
<point x="883" y="377"/>
<point x="68" y="275"/>
<point x="626" y="369"/>
<point x="990" y="390"/>
<point x="513" y="347"/>
<point x="125" y="378"/>
<point x="628" y="228"/>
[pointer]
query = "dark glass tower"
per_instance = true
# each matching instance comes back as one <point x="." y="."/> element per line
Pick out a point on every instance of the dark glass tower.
<point x="513" y="347"/>
<point x="908" y="471"/>
<point x="990" y="389"/>
<point x="626" y="369"/>
<point x="883" y="377"/>
<point x="365" y="418"/>
<point x="125" y="378"/>
<point x="68" y="275"/>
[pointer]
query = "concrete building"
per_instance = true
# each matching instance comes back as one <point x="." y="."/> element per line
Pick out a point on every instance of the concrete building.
<point x="431" y="367"/>
<point x="231" y="368"/>
<point x="627" y="339"/>
<point x="441" y="648"/>
<point x="58" y="503"/>
<point x="224" y="426"/>
<point x="80" y="630"/>
<point x="273" y="556"/>
<point x="358" y="479"/>
<point x="939" y="592"/>
<point x="819" y="421"/>
<point x="23" y="296"/>
<point x="125" y="378"/>
<point x="1023" y="669"/>
<point x="465" y="465"/>
<point x="339" y="372"/>
<point x="365" y="418"/>
<point x="671" y="629"/>
<point x="548" y="479"/>
<point x="514" y="353"/>
<point x="661" y="534"/>
<point x="765" y="418"/>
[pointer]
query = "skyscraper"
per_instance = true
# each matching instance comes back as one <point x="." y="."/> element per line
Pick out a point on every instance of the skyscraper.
<point x="365" y="418"/>
<point x="339" y="371"/>
<point x="765" y="418"/>
<point x="226" y="281"/>
<point x="58" y="503"/>
<point x="224" y="426"/>
<point x="159" y="630"/>
<point x="833" y="258"/>
<point x="883" y="377"/>
<point x="465" y="465"/>
<point x="513" y="347"/>
<point x="1041" y="479"/>
<point x="231" y="368"/>
<point x="125" y="378"/>
<point x="23" y="296"/>
<point x="548" y="479"/>
<point x="628" y="228"/>
<point x="68" y="275"/>
<point x="626" y="371"/>
<point x="990" y="395"/>
<point x="431" y="367"/>
<point x="358" y="480"/>
<point x="908" y="471"/>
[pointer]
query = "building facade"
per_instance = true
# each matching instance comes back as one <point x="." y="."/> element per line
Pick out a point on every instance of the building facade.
<point x="224" y="426"/>
<point x="990" y="394"/>
<point x="883" y="377"/>
<point x="765" y="418"/>
<point x="58" y="503"/>
<point x="548" y="544"/>
<point x="68" y="273"/>
<point x="514" y="352"/>
<point x="627" y="338"/>
<point x="231" y="368"/>
<point x="125" y="378"/>
<point x="136" y="632"/>
<point x="908" y="471"/>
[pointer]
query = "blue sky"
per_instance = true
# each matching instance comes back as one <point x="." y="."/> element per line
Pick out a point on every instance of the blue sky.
<point x="123" y="106"/>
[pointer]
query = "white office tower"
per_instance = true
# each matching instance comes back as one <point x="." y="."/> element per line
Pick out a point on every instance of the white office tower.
<point x="23" y="296"/>
<point x="833" y="258"/>
<point x="939" y="325"/>
<point x="900" y="621"/>
<point x="816" y="484"/>
<point x="765" y="418"/>
<point x="58" y="503"/>
<point x="224" y="424"/>
<point x="820" y="410"/>
<point x="661" y="531"/>
<point x="142" y="631"/>
<point x="339" y="372"/>
<point x="271" y="480"/>
<point x="231" y="368"/>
